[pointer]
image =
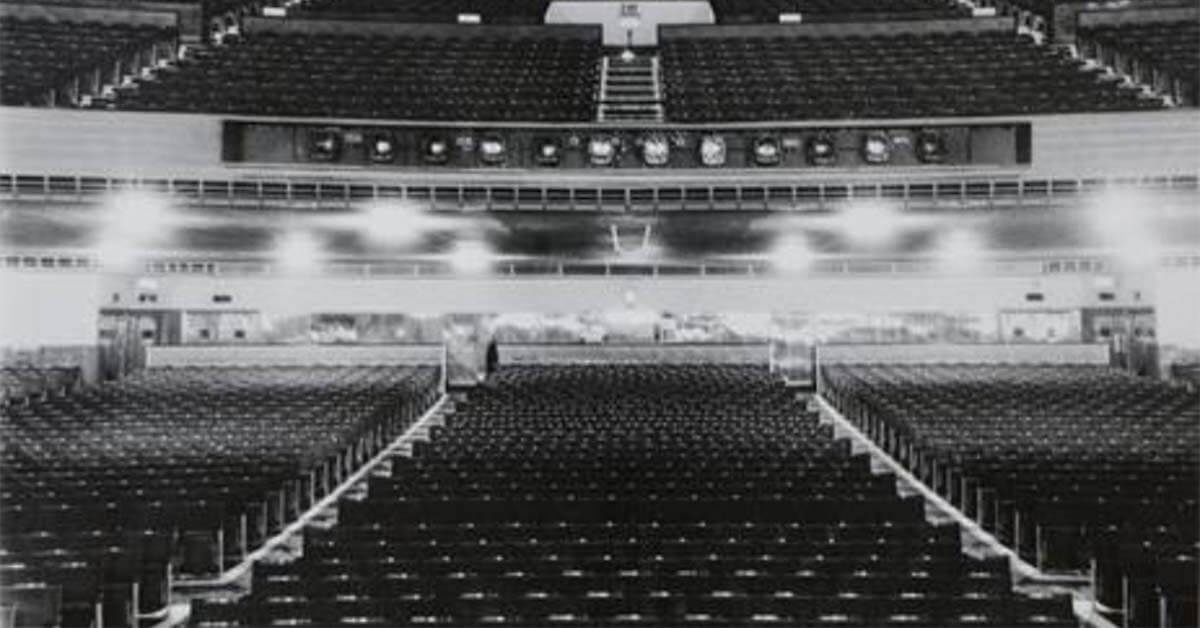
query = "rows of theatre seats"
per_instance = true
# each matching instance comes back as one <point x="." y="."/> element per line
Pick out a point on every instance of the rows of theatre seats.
<point x="903" y="75"/>
<point x="1164" y="54"/>
<point x="41" y="56"/>
<point x="20" y="384"/>
<point x="633" y="495"/>
<point x="1069" y="465"/>
<point x="544" y="78"/>
<point x="1041" y="8"/>
<point x="1186" y="373"/>
<point x="423" y="11"/>
<point x="534" y="11"/>
<point x="109" y="490"/>
<point x="752" y="11"/>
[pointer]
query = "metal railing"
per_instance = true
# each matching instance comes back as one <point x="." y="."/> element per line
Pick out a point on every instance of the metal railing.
<point x="227" y="265"/>
<point x="558" y="195"/>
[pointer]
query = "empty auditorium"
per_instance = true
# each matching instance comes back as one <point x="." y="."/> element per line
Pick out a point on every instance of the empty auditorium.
<point x="600" y="313"/>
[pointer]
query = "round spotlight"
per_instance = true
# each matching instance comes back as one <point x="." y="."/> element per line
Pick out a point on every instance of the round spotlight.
<point x="547" y="152"/>
<point x="492" y="150"/>
<point x="712" y="151"/>
<point x="602" y="150"/>
<point x="767" y="151"/>
<point x="877" y="148"/>
<point x="324" y="144"/>
<point x="435" y="150"/>
<point x="381" y="148"/>
<point x="931" y="147"/>
<point x="821" y="150"/>
<point x="656" y="151"/>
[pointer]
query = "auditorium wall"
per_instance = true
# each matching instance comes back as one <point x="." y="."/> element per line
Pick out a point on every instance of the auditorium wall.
<point x="282" y="297"/>
<point x="41" y="309"/>
<point x="621" y="326"/>
<point x="755" y="354"/>
<point x="291" y="356"/>
<point x="1177" y="317"/>
<point x="126" y="144"/>
<point x="48" y="323"/>
<point x="1068" y="353"/>
<point x="1177" y="305"/>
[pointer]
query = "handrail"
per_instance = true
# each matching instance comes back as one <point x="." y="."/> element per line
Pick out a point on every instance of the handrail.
<point x="510" y="267"/>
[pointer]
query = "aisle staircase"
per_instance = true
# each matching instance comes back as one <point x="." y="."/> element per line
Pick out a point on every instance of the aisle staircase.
<point x="630" y="89"/>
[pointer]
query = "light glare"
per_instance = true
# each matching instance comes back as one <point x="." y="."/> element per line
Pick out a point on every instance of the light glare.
<point x="792" y="255"/>
<point x="871" y="224"/>
<point x="960" y="251"/>
<point x="471" y="257"/>
<point x="136" y="215"/>
<point x="298" y="253"/>
<point x="397" y="223"/>
<point x="116" y="255"/>
<point x="131" y="221"/>
<point x="1121" y="219"/>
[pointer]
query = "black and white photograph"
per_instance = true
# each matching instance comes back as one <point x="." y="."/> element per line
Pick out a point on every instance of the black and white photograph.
<point x="600" y="313"/>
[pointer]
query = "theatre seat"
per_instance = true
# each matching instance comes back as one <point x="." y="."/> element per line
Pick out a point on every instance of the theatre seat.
<point x="702" y="495"/>
<point x="41" y="56"/>
<point x="1075" y="467"/>
<point x="534" y="78"/>
<point x="728" y="79"/>
<point x="422" y="11"/>
<point x="1163" y="54"/>
<point x="20" y="384"/>
<point x="177" y="472"/>
<point x="768" y="11"/>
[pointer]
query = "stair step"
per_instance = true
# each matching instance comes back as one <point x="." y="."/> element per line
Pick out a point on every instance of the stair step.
<point x="617" y="61"/>
<point x="633" y="119"/>
<point x="630" y="96"/>
<point x="653" y="111"/>
<point x="629" y="90"/>
<point x="649" y="101"/>
<point x="630" y="104"/>
<point x="618" y="82"/>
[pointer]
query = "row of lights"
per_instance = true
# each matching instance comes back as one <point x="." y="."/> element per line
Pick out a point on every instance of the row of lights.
<point x="768" y="150"/>
<point x="653" y="148"/>
<point x="382" y="148"/>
